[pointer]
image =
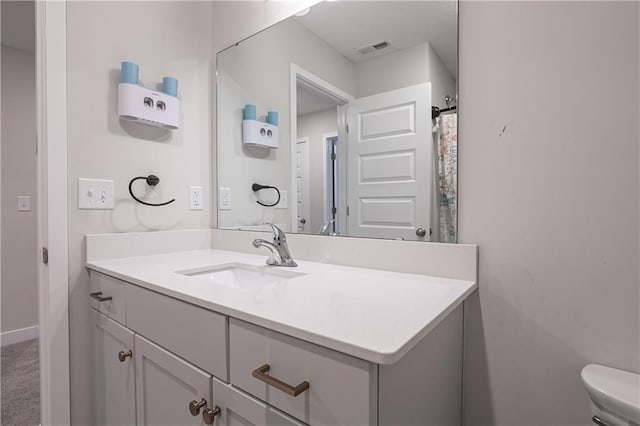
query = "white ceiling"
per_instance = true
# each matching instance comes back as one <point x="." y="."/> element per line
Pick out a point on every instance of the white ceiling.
<point x="18" y="24"/>
<point x="309" y="100"/>
<point x="350" y="25"/>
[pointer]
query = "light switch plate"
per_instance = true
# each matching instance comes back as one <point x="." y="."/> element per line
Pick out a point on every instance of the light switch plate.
<point x="24" y="203"/>
<point x="195" y="198"/>
<point x="95" y="194"/>
<point x="284" y="200"/>
<point x="224" y="198"/>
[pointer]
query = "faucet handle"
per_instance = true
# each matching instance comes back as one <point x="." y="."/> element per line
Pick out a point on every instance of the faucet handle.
<point x="278" y="234"/>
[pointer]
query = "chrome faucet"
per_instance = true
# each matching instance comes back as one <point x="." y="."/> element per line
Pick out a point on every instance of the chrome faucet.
<point x="279" y="250"/>
<point x="324" y="230"/>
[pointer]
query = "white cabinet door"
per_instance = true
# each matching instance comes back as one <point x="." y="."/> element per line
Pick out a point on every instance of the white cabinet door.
<point x="114" y="380"/>
<point x="165" y="385"/>
<point x="239" y="409"/>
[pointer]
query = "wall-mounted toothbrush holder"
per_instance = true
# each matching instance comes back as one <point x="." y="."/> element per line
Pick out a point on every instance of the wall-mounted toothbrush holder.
<point x="150" y="107"/>
<point x="260" y="134"/>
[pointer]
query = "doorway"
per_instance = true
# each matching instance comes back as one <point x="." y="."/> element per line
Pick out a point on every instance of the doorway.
<point x="318" y="123"/>
<point x="19" y="343"/>
<point x="331" y="203"/>
<point x="44" y="25"/>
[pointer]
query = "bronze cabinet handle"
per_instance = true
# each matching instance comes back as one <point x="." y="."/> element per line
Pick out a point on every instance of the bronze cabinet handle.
<point x="195" y="406"/>
<point x="260" y="374"/>
<point x="99" y="297"/>
<point x="122" y="355"/>
<point x="209" y="415"/>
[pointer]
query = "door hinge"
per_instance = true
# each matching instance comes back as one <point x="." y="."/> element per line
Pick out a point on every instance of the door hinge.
<point x="347" y="127"/>
<point x="347" y="210"/>
<point x="430" y="232"/>
<point x="334" y="210"/>
<point x="45" y="255"/>
<point x="333" y="156"/>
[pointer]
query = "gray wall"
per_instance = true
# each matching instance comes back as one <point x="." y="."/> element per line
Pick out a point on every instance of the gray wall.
<point x="549" y="190"/>
<point x="19" y="238"/>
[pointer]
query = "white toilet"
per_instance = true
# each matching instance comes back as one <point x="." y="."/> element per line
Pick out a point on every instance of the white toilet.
<point x="615" y="395"/>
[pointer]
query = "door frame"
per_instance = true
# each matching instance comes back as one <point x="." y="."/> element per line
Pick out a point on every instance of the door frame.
<point x="317" y="83"/>
<point x="53" y="278"/>
<point x="304" y="140"/>
<point x="326" y="138"/>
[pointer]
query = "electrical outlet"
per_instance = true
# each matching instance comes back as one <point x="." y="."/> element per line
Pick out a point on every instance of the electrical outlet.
<point x="195" y="198"/>
<point x="284" y="200"/>
<point x="224" y="198"/>
<point x="95" y="194"/>
<point x="24" y="203"/>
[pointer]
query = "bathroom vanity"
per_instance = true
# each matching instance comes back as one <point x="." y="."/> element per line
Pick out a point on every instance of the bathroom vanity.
<point x="201" y="334"/>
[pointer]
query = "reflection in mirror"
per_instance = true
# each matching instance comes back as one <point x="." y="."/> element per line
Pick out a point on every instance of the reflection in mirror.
<point x="345" y="117"/>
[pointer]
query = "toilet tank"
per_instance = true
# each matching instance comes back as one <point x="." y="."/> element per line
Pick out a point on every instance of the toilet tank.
<point x="614" y="394"/>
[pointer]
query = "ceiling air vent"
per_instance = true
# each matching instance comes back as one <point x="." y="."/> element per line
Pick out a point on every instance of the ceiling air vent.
<point x="374" y="47"/>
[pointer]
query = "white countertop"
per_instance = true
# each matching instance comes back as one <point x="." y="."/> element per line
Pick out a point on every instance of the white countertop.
<point x="370" y="314"/>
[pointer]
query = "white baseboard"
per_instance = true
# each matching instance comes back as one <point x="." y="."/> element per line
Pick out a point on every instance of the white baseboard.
<point x="20" y="335"/>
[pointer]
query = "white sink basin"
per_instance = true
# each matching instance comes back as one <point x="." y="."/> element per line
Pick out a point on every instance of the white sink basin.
<point x="240" y="275"/>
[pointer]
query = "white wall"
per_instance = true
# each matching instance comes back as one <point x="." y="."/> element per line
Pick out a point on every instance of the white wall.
<point x="549" y="190"/>
<point x="258" y="72"/>
<point x="19" y="239"/>
<point x="164" y="38"/>
<point x="406" y="67"/>
<point x="442" y="82"/>
<point x="313" y="126"/>
<point x="234" y="21"/>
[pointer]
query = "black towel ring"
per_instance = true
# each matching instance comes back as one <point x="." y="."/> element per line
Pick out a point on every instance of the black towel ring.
<point x="257" y="187"/>
<point x="152" y="180"/>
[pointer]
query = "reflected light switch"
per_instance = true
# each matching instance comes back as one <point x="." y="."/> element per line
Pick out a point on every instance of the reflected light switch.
<point x="24" y="203"/>
<point x="95" y="194"/>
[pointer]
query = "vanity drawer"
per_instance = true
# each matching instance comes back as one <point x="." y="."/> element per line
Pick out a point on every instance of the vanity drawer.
<point x="342" y="389"/>
<point x="235" y="405"/>
<point x="191" y="332"/>
<point x="107" y="296"/>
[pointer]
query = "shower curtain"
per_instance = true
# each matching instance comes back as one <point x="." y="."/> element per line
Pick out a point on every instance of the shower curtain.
<point x="447" y="176"/>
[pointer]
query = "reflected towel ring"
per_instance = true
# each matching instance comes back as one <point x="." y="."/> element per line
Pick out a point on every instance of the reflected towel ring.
<point x="152" y="180"/>
<point x="257" y="187"/>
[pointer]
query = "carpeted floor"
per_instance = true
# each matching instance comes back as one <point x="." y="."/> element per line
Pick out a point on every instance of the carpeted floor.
<point x="20" y="390"/>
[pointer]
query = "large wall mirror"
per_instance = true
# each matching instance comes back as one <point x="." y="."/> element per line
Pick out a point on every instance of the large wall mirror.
<point x="341" y="120"/>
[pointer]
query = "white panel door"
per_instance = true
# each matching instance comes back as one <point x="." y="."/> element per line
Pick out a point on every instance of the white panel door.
<point x="165" y="385"/>
<point x="302" y="185"/>
<point x="389" y="180"/>
<point x="113" y="380"/>
<point x="239" y="409"/>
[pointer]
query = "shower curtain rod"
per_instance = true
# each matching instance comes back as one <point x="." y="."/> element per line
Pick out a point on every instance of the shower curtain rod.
<point x="435" y="111"/>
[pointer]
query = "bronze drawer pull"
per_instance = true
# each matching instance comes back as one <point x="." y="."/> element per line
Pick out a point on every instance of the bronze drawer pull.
<point x="122" y="355"/>
<point x="195" y="406"/>
<point x="209" y="415"/>
<point x="98" y="296"/>
<point x="260" y="373"/>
